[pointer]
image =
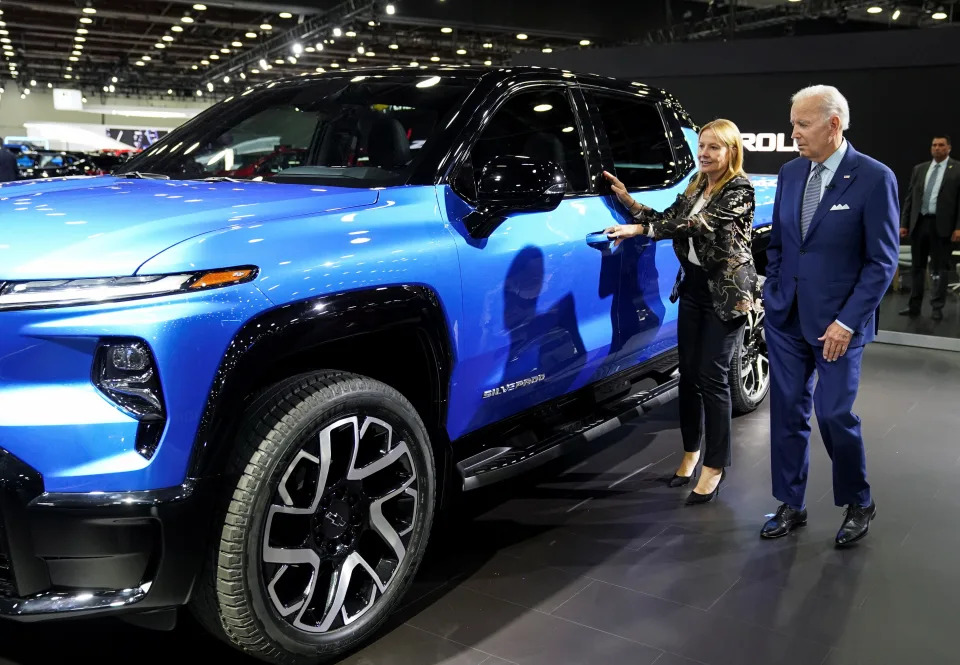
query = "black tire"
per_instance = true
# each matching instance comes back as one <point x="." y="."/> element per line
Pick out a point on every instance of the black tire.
<point x="282" y="504"/>
<point x="750" y="367"/>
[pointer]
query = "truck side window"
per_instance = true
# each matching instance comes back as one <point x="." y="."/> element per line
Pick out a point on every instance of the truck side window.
<point x="637" y="138"/>
<point x="539" y="124"/>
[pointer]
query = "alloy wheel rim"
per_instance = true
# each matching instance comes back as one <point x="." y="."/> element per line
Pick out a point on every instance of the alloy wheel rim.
<point x="339" y="524"/>
<point x="754" y="363"/>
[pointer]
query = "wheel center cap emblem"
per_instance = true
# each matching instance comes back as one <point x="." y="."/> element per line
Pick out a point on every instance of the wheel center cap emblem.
<point x="335" y="520"/>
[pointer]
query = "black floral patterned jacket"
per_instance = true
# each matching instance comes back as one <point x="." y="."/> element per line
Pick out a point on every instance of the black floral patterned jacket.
<point x="721" y="233"/>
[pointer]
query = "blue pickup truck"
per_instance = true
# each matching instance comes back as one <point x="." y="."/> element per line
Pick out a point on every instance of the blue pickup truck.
<point x="250" y="396"/>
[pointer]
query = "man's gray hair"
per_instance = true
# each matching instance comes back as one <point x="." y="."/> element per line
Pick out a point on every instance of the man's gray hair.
<point x="832" y="103"/>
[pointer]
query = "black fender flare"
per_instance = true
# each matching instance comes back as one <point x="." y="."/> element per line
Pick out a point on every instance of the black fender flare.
<point x="305" y="325"/>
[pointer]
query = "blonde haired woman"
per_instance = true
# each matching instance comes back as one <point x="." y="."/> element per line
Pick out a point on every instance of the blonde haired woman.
<point x="710" y="225"/>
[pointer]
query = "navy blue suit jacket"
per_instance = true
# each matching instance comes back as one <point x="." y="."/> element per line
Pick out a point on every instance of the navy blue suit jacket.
<point x="843" y="267"/>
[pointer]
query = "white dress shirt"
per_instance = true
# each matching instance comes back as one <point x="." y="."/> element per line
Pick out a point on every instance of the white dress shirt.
<point x="691" y="253"/>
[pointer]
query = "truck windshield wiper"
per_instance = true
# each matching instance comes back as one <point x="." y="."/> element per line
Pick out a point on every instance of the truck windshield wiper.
<point x="142" y="175"/>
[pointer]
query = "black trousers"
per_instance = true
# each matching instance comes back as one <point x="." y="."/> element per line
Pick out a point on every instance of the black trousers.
<point x="706" y="344"/>
<point x="925" y="242"/>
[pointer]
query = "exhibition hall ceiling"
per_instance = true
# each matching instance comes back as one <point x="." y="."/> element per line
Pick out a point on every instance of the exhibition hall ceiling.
<point x="184" y="48"/>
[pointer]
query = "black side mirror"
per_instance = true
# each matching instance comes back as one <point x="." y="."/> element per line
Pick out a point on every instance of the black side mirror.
<point x="512" y="184"/>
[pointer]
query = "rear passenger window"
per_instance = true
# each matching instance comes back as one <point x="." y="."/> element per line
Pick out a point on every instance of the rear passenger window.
<point x="638" y="140"/>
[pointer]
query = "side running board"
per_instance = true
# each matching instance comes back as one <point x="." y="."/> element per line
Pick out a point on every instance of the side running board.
<point x="496" y="464"/>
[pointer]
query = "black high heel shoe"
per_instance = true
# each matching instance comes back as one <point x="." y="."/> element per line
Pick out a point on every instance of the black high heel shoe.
<point x="695" y="498"/>
<point x="680" y="481"/>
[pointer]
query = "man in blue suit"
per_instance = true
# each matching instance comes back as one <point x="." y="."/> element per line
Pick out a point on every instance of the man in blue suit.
<point x="832" y="255"/>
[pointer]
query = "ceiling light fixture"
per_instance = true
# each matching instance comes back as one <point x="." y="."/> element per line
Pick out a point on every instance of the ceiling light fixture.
<point x="391" y="10"/>
<point x="488" y="62"/>
<point x="285" y="15"/>
<point x="266" y="26"/>
<point x="337" y="32"/>
<point x="446" y="31"/>
<point x="86" y="20"/>
<point x="236" y="44"/>
<point x="251" y="35"/>
<point x="351" y="33"/>
<point x="522" y="36"/>
<point x="80" y="31"/>
<point x="177" y="28"/>
<point x="874" y="10"/>
<point x="225" y="51"/>
<point x="187" y="19"/>
<point x="939" y="16"/>
<point x="89" y="10"/>
<point x="167" y="38"/>
<point x="548" y="50"/>
<point x="461" y="51"/>
<point x="896" y="14"/>
<point x="200" y="8"/>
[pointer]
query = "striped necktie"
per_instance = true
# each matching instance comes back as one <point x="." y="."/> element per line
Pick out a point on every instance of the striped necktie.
<point x="929" y="206"/>
<point x="811" y="199"/>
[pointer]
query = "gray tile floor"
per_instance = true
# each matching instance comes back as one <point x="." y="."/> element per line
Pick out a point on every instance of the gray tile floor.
<point x="592" y="560"/>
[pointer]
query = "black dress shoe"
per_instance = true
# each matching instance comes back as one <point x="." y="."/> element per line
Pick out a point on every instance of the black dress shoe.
<point x="937" y="315"/>
<point x="786" y="520"/>
<point x="856" y="522"/>
<point x="680" y="481"/>
<point x="909" y="312"/>
<point x="695" y="498"/>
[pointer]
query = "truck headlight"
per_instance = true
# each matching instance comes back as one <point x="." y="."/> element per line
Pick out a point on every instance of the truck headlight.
<point x="125" y="371"/>
<point x="69" y="292"/>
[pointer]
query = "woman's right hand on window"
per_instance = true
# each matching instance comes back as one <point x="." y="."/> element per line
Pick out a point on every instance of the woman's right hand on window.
<point x="620" y="190"/>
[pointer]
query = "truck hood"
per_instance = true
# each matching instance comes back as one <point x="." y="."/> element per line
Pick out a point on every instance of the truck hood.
<point x="108" y="227"/>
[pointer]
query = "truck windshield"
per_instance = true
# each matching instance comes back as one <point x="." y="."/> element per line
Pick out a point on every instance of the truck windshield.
<point x="359" y="131"/>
